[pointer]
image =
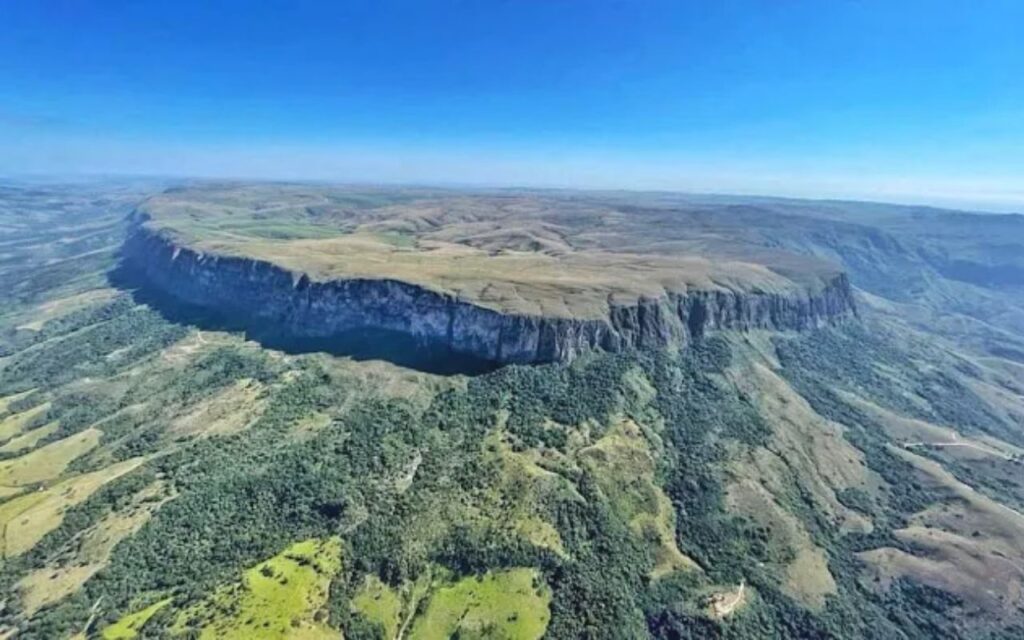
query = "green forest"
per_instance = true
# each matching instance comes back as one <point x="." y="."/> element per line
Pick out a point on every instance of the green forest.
<point x="164" y="479"/>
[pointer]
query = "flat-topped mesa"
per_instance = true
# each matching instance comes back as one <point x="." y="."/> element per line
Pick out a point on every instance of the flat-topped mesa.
<point x="450" y="286"/>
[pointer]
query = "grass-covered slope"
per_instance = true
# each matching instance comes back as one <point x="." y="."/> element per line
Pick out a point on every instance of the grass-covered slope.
<point x="162" y="480"/>
<point x="278" y="598"/>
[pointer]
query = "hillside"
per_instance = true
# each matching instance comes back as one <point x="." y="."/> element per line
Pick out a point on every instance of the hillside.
<point x="172" y="471"/>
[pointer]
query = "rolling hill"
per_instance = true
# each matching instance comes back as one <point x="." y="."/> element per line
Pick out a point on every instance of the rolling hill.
<point x="808" y="421"/>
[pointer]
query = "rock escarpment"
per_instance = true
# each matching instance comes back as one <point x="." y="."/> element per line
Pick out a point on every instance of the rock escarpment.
<point x="269" y="294"/>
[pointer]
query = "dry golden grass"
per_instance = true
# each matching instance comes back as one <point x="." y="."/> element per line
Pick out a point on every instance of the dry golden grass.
<point x="803" y="444"/>
<point x="577" y="284"/>
<point x="1004" y="402"/>
<point x="63" y="306"/>
<point x="56" y="581"/>
<point x="805" y="449"/>
<point x="526" y="255"/>
<point x="971" y="546"/>
<point x="27" y="518"/>
<point x="47" y="462"/>
<point x="30" y="439"/>
<point x="806" y="578"/>
<point x="14" y="424"/>
<point x="226" y="412"/>
<point x="7" y="492"/>
<point x="914" y="433"/>
<point x="954" y="564"/>
<point x="5" y="402"/>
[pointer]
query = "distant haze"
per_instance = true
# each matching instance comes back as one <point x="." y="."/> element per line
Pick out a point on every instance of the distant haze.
<point x="916" y="102"/>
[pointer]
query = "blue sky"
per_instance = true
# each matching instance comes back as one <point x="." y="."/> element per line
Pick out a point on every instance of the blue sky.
<point x="898" y="100"/>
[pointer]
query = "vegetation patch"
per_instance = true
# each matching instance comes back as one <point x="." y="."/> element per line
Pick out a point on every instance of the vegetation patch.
<point x="49" y="461"/>
<point x="624" y="468"/>
<point x="966" y="546"/>
<point x="280" y="598"/>
<point x="91" y="552"/>
<point x="62" y="306"/>
<point x="500" y="604"/>
<point x="379" y="604"/>
<point x="521" y="484"/>
<point x="722" y="603"/>
<point x="14" y="424"/>
<point x="7" y="401"/>
<point x="226" y="412"/>
<point x="804" y="448"/>
<point x="30" y="439"/>
<point x="129" y="627"/>
<point x="27" y="518"/>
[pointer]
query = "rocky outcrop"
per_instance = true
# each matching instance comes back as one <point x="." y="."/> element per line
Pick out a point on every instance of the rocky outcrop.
<point x="265" y="293"/>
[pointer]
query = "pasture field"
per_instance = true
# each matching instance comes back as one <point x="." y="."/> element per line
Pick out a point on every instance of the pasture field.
<point x="279" y="598"/>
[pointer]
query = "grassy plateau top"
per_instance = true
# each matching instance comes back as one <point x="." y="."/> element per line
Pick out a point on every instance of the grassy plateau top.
<point x="564" y="254"/>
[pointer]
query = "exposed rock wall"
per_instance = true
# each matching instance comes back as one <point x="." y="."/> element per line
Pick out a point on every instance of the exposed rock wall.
<point x="293" y="304"/>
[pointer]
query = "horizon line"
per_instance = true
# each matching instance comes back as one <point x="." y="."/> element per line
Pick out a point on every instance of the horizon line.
<point x="940" y="203"/>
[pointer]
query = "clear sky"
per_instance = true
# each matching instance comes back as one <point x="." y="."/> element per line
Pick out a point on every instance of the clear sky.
<point x="893" y="99"/>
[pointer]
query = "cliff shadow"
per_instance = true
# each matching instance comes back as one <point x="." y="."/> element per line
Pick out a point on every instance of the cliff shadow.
<point x="361" y="344"/>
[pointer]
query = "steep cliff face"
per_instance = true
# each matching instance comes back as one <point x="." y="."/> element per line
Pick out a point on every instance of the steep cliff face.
<point x="295" y="305"/>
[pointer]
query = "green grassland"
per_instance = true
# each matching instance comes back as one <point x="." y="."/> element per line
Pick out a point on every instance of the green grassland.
<point x="509" y="604"/>
<point x="381" y="605"/>
<point x="172" y="480"/>
<point x="129" y="626"/>
<point x="279" y="598"/>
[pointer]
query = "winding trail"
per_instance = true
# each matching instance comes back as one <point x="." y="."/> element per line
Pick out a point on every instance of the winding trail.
<point x="956" y="443"/>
